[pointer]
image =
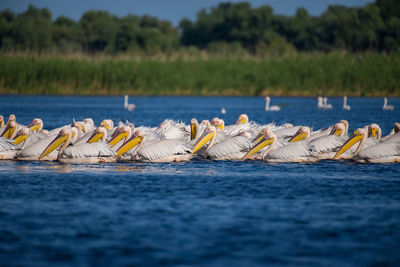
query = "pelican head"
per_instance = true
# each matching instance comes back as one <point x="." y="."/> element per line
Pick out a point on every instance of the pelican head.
<point x="22" y="135"/>
<point x="268" y="138"/>
<point x="100" y="134"/>
<point x="396" y="127"/>
<point x="205" y="123"/>
<point x="63" y="137"/>
<point x="302" y="133"/>
<point x="287" y="125"/>
<point x="108" y="124"/>
<point x="88" y="122"/>
<point x="194" y="128"/>
<point x="243" y="118"/>
<point x="215" y="121"/>
<point x="208" y="134"/>
<point x="346" y="125"/>
<point x="259" y="136"/>
<point x="374" y="131"/>
<point x="124" y="132"/>
<point x="338" y="129"/>
<point x="11" y="118"/>
<point x="244" y="133"/>
<point x="361" y="134"/>
<point x="218" y="123"/>
<point x="79" y="125"/>
<point x="36" y="125"/>
<point x="137" y="137"/>
<point x="1" y="121"/>
<point x="9" y="131"/>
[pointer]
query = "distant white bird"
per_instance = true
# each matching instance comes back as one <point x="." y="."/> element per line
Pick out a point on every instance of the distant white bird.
<point x="128" y="106"/>
<point x="321" y="102"/>
<point x="326" y="105"/>
<point x="223" y="111"/>
<point x="345" y="106"/>
<point x="386" y="106"/>
<point x="270" y="108"/>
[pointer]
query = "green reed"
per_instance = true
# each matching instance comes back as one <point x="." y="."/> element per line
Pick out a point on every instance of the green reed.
<point x="369" y="74"/>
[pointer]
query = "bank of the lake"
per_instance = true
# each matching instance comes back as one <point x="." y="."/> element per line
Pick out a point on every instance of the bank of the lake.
<point x="333" y="74"/>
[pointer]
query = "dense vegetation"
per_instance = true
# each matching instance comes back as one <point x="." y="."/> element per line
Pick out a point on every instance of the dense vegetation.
<point x="299" y="75"/>
<point x="230" y="49"/>
<point x="230" y="27"/>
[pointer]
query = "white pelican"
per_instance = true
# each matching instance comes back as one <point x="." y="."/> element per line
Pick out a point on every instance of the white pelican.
<point x="327" y="145"/>
<point x="10" y="148"/>
<point x="270" y="108"/>
<point x="81" y="153"/>
<point x="386" y="106"/>
<point x="34" y="150"/>
<point x="128" y="106"/>
<point x="387" y="151"/>
<point x="345" y="106"/>
<point x="228" y="148"/>
<point x="293" y="152"/>
<point x="11" y="128"/>
<point x="167" y="150"/>
<point x="223" y="111"/>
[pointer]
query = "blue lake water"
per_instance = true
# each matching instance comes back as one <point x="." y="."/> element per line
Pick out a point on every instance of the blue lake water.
<point x="202" y="212"/>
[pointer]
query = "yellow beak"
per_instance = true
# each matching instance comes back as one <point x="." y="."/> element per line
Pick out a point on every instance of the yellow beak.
<point x="202" y="141"/>
<point x="117" y="138"/>
<point x="18" y="139"/>
<point x="193" y="130"/>
<point x="257" y="147"/>
<point x="129" y="144"/>
<point x="103" y="124"/>
<point x="356" y="137"/>
<point x="58" y="141"/>
<point x="34" y="127"/>
<point x="258" y="138"/>
<point x="298" y="137"/>
<point x="7" y="133"/>
<point x="336" y="132"/>
<point x="240" y="121"/>
<point x="1" y="123"/>
<point x="374" y="132"/>
<point x="220" y="126"/>
<point x="95" y="138"/>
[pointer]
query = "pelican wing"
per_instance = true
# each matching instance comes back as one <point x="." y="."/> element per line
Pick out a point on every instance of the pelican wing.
<point x="381" y="150"/>
<point x="229" y="146"/>
<point x="394" y="138"/>
<point x="162" y="149"/>
<point x="34" y="149"/>
<point x="292" y="151"/>
<point x="98" y="149"/>
<point x="6" y="145"/>
<point x="286" y="132"/>
<point x="327" y="143"/>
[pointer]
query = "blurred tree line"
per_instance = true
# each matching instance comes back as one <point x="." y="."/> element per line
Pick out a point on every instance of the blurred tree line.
<point x="229" y="28"/>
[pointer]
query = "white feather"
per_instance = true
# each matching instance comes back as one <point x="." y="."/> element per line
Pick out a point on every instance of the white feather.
<point x="86" y="150"/>
<point x="293" y="151"/>
<point x="229" y="146"/>
<point x="158" y="150"/>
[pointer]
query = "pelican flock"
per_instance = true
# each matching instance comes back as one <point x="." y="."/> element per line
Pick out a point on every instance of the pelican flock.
<point x="175" y="141"/>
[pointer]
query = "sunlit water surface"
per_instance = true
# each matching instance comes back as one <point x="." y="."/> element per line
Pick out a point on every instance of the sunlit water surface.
<point x="201" y="212"/>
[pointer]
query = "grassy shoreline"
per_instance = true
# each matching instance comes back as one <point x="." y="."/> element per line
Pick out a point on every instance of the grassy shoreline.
<point x="333" y="74"/>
